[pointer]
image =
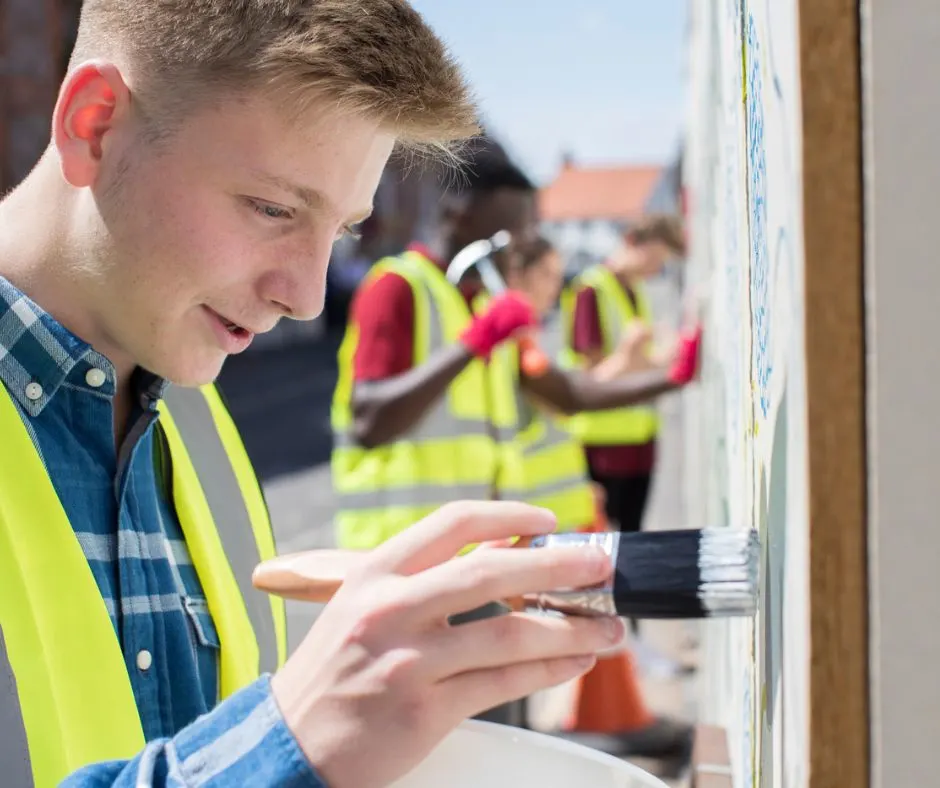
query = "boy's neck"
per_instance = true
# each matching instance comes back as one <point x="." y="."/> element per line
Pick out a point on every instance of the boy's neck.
<point x="40" y="256"/>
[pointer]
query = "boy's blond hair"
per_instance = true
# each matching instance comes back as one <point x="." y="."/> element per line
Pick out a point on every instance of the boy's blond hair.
<point x="377" y="58"/>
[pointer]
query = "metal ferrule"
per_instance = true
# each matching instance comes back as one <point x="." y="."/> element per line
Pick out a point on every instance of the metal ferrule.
<point x="592" y="601"/>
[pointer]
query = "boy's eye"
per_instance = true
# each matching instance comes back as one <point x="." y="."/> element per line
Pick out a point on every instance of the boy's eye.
<point x="269" y="211"/>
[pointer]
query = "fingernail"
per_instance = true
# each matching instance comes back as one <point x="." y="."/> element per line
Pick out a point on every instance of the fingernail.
<point x="551" y="519"/>
<point x="613" y="630"/>
<point x="586" y="661"/>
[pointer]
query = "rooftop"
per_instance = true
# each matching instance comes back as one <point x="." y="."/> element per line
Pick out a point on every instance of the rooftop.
<point x="618" y="192"/>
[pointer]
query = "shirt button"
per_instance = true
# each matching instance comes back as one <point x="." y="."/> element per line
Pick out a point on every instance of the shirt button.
<point x="33" y="391"/>
<point x="144" y="659"/>
<point x="95" y="377"/>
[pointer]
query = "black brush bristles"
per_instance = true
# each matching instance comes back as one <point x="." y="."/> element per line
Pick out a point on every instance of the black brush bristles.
<point x="688" y="574"/>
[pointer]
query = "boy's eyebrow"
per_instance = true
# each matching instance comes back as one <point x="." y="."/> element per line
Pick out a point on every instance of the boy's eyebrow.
<point x="312" y="198"/>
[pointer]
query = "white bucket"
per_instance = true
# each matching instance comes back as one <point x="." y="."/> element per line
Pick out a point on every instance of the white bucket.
<point x="487" y="755"/>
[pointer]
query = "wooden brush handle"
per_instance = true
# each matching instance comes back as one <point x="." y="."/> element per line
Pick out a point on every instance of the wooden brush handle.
<point x="312" y="576"/>
<point x="316" y="575"/>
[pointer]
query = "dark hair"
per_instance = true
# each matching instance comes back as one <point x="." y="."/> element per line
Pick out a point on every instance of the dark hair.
<point x="488" y="168"/>
<point x="665" y="228"/>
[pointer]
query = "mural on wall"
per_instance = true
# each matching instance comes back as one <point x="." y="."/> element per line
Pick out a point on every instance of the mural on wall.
<point x="750" y="409"/>
<point x="761" y="364"/>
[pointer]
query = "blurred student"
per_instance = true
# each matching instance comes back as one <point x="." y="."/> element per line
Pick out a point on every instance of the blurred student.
<point x="609" y="698"/>
<point x="601" y="306"/>
<point x="424" y="410"/>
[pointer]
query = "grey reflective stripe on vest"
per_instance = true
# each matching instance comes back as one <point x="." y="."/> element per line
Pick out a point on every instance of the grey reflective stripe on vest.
<point x="14" y="749"/>
<point x="438" y="423"/>
<point x="613" y="319"/>
<point x="191" y="413"/>
<point x="616" y="321"/>
<point x="551" y="436"/>
<point x="557" y="486"/>
<point x="423" y="495"/>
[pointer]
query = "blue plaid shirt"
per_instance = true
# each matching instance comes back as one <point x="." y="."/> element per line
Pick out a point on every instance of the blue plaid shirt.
<point x="134" y="544"/>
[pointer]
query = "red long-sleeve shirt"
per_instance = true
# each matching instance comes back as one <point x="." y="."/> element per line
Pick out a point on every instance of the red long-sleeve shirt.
<point x="384" y="312"/>
<point x="615" y="460"/>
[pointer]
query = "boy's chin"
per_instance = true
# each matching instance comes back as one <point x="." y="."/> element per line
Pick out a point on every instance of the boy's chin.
<point x="195" y="371"/>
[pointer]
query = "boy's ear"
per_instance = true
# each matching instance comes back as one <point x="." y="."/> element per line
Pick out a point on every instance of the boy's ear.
<point x="93" y="100"/>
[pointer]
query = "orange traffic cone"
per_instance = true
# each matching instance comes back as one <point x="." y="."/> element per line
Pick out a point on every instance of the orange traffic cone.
<point x="608" y="698"/>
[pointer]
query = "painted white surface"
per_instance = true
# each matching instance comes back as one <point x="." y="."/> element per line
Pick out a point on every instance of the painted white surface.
<point x="901" y="55"/>
<point x="747" y="418"/>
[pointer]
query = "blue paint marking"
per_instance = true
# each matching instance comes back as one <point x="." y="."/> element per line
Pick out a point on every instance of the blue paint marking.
<point x="734" y="273"/>
<point x="757" y="208"/>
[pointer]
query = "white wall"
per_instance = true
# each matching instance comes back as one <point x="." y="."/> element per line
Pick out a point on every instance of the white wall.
<point x="746" y="440"/>
<point x="902" y="126"/>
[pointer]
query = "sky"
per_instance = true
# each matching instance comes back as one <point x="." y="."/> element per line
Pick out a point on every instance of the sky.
<point x="602" y="79"/>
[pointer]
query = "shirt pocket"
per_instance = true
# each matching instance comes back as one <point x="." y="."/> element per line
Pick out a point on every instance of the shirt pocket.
<point x="197" y="610"/>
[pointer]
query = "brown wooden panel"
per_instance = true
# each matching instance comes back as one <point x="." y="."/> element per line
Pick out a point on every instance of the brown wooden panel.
<point x="833" y="214"/>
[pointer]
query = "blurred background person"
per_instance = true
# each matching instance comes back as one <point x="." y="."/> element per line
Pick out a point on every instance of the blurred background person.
<point x="425" y="407"/>
<point x="609" y="699"/>
<point x="602" y="305"/>
<point x="599" y="308"/>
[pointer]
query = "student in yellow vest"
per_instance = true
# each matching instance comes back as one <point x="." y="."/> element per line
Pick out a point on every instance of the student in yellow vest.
<point x="558" y="477"/>
<point x="599" y="308"/>
<point x="554" y="464"/>
<point x="202" y="162"/>
<point x="425" y="404"/>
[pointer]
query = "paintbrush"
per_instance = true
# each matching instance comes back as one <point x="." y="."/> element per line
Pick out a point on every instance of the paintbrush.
<point x="683" y="574"/>
<point x="706" y="573"/>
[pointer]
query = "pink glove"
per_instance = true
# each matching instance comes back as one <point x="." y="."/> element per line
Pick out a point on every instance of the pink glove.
<point x="507" y="313"/>
<point x="685" y="364"/>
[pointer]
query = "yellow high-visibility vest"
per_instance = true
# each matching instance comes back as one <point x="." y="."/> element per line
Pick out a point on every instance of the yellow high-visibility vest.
<point x="554" y="467"/>
<point x="556" y="472"/>
<point x="463" y="448"/>
<point x="65" y="695"/>
<point x="629" y="426"/>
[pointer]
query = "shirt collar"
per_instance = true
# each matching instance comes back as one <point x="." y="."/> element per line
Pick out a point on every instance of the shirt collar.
<point x="38" y="355"/>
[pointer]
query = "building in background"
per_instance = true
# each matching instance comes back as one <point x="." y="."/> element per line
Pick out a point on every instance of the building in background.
<point x="585" y="210"/>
